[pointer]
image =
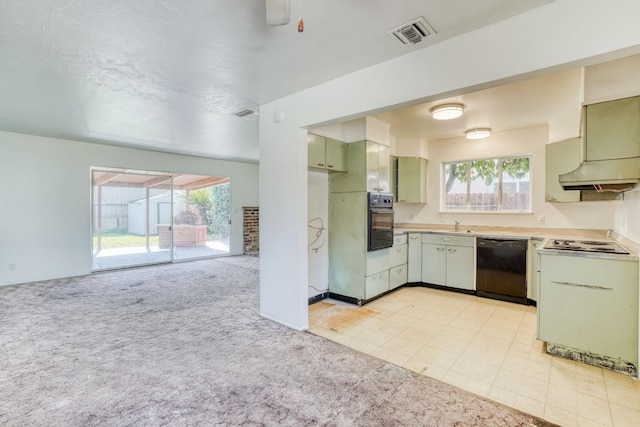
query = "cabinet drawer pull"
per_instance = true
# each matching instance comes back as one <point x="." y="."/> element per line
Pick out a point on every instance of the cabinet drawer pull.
<point x="440" y="249"/>
<point x="320" y="164"/>
<point x="452" y="250"/>
<point x="329" y="166"/>
<point x="446" y="239"/>
<point x="580" y="285"/>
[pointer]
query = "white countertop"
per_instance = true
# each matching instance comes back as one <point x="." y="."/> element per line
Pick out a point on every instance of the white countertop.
<point x="527" y="233"/>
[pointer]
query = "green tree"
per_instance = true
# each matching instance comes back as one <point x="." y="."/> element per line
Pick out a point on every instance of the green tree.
<point x="487" y="170"/>
<point x="201" y="199"/>
<point x="219" y="210"/>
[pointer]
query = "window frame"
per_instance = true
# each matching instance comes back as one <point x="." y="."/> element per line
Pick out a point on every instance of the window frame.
<point x="499" y="182"/>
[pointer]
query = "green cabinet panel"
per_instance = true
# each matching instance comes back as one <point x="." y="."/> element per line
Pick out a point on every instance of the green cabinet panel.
<point x="397" y="276"/>
<point x="434" y="264"/>
<point x="326" y="153"/>
<point x="368" y="169"/>
<point x="414" y="258"/>
<point x="336" y="155"/>
<point x="612" y="129"/>
<point x="448" y="260"/>
<point x="384" y="170"/>
<point x="412" y="180"/>
<point x="376" y="284"/>
<point x="316" y="151"/>
<point x="589" y="304"/>
<point x="460" y="267"/>
<point x="561" y="157"/>
<point x="534" y="268"/>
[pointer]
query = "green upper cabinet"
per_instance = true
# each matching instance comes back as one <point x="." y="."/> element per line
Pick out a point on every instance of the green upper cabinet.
<point x="378" y="168"/>
<point x="316" y="151"/>
<point x="326" y="153"/>
<point x="561" y="157"/>
<point x="612" y="129"/>
<point x="369" y="169"/>
<point x="336" y="155"/>
<point x="412" y="180"/>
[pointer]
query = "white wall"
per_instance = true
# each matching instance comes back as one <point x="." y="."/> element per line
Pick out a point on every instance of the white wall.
<point x="318" y="232"/>
<point x="529" y="141"/>
<point x="627" y="216"/>
<point x="554" y="37"/>
<point x="46" y="193"/>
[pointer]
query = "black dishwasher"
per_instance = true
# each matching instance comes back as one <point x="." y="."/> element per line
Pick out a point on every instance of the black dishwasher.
<point x="501" y="269"/>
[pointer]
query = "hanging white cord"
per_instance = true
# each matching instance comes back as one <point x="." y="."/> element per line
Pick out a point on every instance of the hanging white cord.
<point x="319" y="231"/>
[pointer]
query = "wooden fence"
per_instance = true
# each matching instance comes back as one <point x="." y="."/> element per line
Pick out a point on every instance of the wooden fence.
<point x="488" y="202"/>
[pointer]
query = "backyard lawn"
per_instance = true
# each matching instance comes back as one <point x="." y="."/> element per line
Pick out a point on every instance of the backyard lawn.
<point x="111" y="241"/>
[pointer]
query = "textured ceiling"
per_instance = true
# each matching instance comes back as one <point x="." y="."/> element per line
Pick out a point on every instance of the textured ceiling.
<point x="169" y="75"/>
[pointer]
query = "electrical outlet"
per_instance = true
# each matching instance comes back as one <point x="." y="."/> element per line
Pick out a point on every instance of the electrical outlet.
<point x="540" y="219"/>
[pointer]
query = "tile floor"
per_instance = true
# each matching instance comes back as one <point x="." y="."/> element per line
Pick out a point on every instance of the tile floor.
<point x="485" y="346"/>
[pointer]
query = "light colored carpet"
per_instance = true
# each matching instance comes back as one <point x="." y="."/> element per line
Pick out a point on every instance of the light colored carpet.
<point x="183" y="344"/>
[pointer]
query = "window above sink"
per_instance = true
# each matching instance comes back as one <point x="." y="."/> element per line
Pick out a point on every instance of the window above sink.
<point x="493" y="185"/>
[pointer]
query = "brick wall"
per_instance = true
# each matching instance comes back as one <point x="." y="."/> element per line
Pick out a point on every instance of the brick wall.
<point x="251" y="230"/>
<point x="186" y="236"/>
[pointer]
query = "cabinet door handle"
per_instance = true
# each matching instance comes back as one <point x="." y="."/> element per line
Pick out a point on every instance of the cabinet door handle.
<point x="414" y="237"/>
<point x="580" y="285"/>
<point x="398" y="250"/>
<point x="320" y="164"/>
<point x="451" y="250"/>
<point x="440" y="249"/>
<point x="329" y="166"/>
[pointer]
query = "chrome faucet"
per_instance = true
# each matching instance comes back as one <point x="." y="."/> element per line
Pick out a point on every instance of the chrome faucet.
<point x="455" y="227"/>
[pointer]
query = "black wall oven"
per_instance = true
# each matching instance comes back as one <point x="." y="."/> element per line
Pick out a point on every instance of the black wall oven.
<point x="380" y="222"/>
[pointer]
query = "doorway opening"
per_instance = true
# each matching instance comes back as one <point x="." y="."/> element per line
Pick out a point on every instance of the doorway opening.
<point x="147" y="217"/>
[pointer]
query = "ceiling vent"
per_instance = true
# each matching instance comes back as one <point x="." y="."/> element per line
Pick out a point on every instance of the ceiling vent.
<point x="412" y="32"/>
<point x="247" y="113"/>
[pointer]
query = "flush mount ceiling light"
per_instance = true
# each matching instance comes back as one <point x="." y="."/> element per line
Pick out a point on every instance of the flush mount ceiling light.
<point x="447" y="111"/>
<point x="477" y="133"/>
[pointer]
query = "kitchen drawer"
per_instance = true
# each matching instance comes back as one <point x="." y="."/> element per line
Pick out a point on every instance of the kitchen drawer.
<point x="376" y="284"/>
<point x="448" y="239"/>
<point x="398" y="255"/>
<point x="399" y="239"/>
<point x="397" y="276"/>
<point x="378" y="261"/>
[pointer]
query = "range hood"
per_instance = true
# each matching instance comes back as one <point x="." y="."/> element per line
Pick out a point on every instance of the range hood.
<point x="603" y="175"/>
<point x="610" y="148"/>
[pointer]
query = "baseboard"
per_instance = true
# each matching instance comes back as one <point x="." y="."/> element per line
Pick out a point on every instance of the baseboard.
<point x="345" y="298"/>
<point x="508" y="298"/>
<point x="314" y="299"/>
<point x="446" y="288"/>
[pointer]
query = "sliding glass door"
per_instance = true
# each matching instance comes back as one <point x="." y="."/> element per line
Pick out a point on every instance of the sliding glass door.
<point x="146" y="217"/>
<point x="201" y="220"/>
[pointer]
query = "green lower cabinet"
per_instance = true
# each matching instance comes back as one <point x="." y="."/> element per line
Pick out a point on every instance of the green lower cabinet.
<point x="397" y="276"/>
<point x="448" y="260"/>
<point x="434" y="264"/>
<point x="376" y="284"/>
<point x="590" y="307"/>
<point x="460" y="262"/>
<point x="534" y="268"/>
<point x="414" y="258"/>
